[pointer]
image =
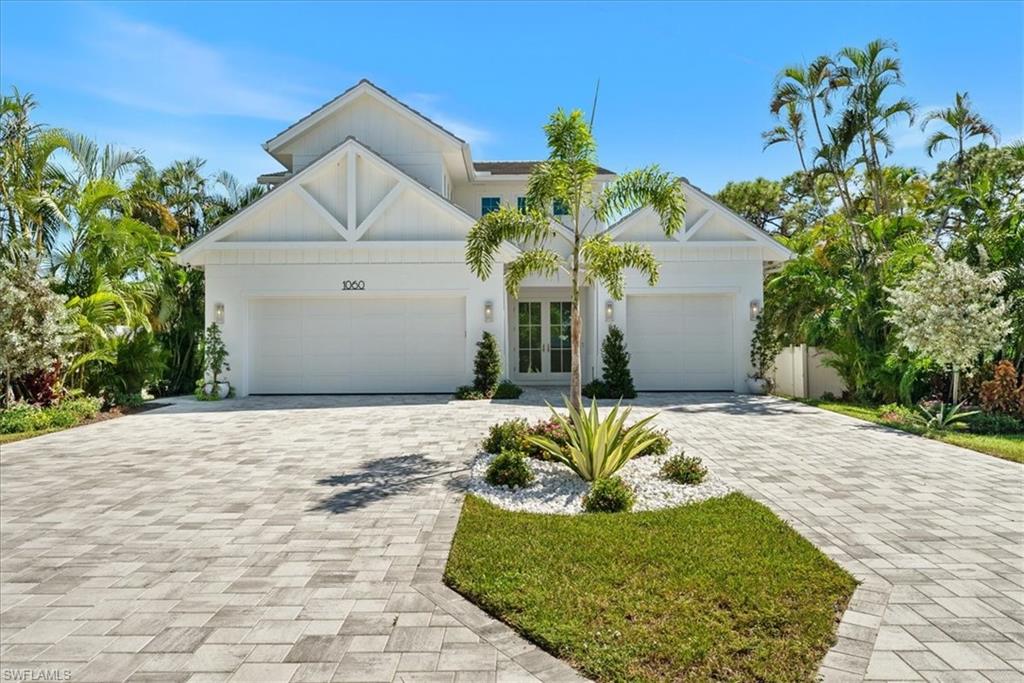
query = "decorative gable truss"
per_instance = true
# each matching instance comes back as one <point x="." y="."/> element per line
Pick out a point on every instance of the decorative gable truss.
<point x="349" y="198"/>
<point x="710" y="227"/>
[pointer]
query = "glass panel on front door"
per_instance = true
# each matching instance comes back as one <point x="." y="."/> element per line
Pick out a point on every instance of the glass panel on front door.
<point x="530" y="336"/>
<point x="560" y="335"/>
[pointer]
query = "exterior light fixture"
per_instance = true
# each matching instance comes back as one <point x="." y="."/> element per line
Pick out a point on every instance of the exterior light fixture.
<point x="755" y="309"/>
<point x="488" y="312"/>
<point x="218" y="313"/>
<point x="609" y="311"/>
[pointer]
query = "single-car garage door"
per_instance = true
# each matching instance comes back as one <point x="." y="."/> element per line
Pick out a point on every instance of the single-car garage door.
<point x="350" y="345"/>
<point x="681" y="341"/>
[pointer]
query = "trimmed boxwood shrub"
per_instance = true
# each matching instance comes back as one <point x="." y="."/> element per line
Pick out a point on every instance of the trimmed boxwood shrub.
<point x="608" y="495"/>
<point x="509" y="469"/>
<point x="684" y="469"/>
<point x="507" y="390"/>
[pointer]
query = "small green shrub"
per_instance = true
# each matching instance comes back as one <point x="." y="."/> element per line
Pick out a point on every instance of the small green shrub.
<point x="510" y="435"/>
<point x="896" y="414"/>
<point x="994" y="423"/>
<point x="608" y="495"/>
<point x="507" y="390"/>
<point x="509" y="469"/>
<point x="84" y="407"/>
<point x="660" y="444"/>
<point x="125" y="400"/>
<point x="486" y="365"/>
<point x="467" y="392"/>
<point x="684" y="469"/>
<point x="615" y="372"/>
<point x="596" y="389"/>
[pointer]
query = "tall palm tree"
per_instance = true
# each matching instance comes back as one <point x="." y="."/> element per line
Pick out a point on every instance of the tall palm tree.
<point x="567" y="178"/>
<point x="868" y="73"/>
<point x="964" y="122"/>
<point x="33" y="189"/>
<point x="811" y="87"/>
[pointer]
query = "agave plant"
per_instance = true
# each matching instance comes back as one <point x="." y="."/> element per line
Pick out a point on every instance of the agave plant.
<point x="944" y="416"/>
<point x="596" y="448"/>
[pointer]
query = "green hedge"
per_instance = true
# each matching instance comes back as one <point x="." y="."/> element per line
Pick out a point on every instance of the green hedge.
<point x="22" y="417"/>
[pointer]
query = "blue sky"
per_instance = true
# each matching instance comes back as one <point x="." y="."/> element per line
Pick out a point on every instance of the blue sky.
<point x="685" y="85"/>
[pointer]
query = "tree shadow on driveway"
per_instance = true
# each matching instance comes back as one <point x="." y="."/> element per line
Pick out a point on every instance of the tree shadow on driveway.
<point x="378" y="479"/>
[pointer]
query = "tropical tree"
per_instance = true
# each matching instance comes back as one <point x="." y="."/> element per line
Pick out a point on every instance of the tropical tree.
<point x="868" y="74"/>
<point x="951" y="314"/>
<point x="963" y="122"/>
<point x="35" y="330"/>
<point x="791" y="130"/>
<point x="566" y="178"/>
<point x="32" y="184"/>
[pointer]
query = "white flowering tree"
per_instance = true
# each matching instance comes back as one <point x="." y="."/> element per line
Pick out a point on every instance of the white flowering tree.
<point x="950" y="313"/>
<point x="35" y="326"/>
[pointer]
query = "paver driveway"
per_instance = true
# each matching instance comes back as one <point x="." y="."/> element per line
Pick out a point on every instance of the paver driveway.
<point x="304" y="538"/>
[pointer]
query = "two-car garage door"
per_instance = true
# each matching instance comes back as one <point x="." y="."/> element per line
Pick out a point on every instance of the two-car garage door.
<point x="357" y="345"/>
<point x="681" y="341"/>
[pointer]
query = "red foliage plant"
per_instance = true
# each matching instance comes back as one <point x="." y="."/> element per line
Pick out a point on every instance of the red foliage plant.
<point x="1004" y="393"/>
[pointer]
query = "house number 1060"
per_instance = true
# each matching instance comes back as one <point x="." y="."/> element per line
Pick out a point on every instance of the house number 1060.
<point x="353" y="285"/>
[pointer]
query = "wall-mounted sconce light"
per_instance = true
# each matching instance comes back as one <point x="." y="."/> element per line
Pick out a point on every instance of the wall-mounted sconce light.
<point x="218" y="313"/>
<point x="488" y="312"/>
<point x="755" y="309"/>
<point x="609" y="311"/>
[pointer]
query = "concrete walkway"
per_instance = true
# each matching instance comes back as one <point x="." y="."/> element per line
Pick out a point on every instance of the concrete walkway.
<point x="303" y="539"/>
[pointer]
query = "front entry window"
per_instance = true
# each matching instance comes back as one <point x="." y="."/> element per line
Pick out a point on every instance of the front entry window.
<point x="530" y="336"/>
<point x="560" y="331"/>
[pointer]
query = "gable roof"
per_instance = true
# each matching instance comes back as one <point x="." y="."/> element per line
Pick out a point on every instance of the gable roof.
<point x="756" y="233"/>
<point x="364" y="86"/>
<point x="235" y="222"/>
<point x="517" y="167"/>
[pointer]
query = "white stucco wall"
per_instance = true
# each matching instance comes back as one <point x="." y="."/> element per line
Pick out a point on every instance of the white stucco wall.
<point x="235" y="286"/>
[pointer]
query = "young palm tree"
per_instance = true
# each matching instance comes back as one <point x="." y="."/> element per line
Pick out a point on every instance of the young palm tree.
<point x="964" y="122"/>
<point x="791" y="130"/>
<point x="567" y="178"/>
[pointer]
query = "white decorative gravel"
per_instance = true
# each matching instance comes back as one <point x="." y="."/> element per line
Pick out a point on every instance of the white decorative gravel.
<point x="558" y="490"/>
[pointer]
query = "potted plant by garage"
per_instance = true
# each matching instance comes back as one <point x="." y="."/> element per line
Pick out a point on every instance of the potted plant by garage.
<point x="215" y="356"/>
<point x="764" y="347"/>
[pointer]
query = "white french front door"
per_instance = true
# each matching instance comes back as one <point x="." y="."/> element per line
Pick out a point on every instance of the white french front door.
<point x="543" y="341"/>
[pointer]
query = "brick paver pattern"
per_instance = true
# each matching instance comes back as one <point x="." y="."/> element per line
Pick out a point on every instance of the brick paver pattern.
<point x="304" y="539"/>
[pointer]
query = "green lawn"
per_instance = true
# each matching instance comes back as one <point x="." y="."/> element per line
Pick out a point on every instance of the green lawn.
<point x="721" y="590"/>
<point x="19" y="436"/>
<point x="1006" y="446"/>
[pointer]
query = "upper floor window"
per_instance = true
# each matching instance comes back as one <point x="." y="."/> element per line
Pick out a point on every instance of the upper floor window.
<point x="521" y="204"/>
<point x="560" y="208"/>
<point x="489" y="204"/>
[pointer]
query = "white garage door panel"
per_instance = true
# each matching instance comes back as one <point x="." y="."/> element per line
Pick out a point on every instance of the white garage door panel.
<point x="366" y="345"/>
<point x="681" y="341"/>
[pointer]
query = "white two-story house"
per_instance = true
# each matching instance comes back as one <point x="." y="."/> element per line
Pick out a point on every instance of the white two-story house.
<point x="349" y="275"/>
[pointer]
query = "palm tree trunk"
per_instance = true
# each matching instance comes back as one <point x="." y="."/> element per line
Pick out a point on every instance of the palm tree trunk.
<point x="956" y="385"/>
<point x="840" y="179"/>
<point x="576" y="330"/>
